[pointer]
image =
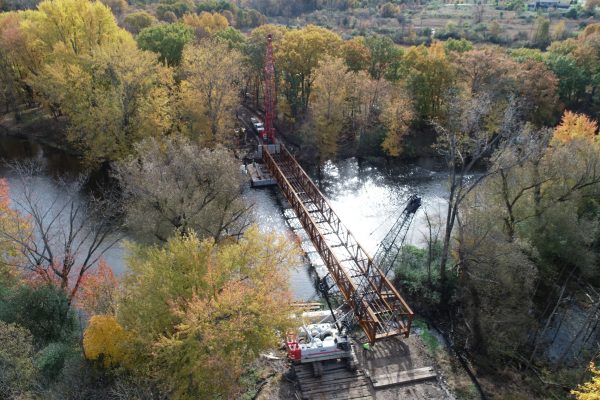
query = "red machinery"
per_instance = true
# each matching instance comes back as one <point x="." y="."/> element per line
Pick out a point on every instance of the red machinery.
<point x="268" y="135"/>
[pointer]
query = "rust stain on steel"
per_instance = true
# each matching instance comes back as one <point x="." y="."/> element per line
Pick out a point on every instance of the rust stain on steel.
<point x="380" y="309"/>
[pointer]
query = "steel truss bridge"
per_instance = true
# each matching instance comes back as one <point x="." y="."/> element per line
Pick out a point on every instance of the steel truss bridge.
<point x="378" y="307"/>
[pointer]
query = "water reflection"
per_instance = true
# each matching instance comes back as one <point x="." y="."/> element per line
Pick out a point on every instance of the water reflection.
<point x="367" y="198"/>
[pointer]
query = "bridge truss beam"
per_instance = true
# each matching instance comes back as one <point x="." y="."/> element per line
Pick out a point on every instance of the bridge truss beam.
<point x="378" y="307"/>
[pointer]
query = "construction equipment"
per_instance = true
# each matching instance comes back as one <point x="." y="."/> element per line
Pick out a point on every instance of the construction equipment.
<point x="321" y="342"/>
<point x="268" y="135"/>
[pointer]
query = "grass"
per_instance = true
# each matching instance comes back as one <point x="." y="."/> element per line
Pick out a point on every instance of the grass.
<point x="430" y="341"/>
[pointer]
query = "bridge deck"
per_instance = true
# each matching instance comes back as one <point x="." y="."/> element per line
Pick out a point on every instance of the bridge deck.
<point x="379" y="308"/>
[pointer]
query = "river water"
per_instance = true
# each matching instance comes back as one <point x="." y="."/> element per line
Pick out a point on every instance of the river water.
<point x="367" y="199"/>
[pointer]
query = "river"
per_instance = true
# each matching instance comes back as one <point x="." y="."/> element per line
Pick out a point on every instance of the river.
<point x="367" y="198"/>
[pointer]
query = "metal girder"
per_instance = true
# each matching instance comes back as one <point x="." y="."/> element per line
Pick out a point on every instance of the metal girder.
<point x="378" y="307"/>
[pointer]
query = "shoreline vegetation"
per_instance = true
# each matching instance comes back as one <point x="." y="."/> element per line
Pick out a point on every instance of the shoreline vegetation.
<point x="505" y="98"/>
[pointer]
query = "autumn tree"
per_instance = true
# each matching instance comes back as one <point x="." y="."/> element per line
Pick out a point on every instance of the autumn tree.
<point x="168" y="40"/>
<point x="112" y="99"/>
<point x="385" y="57"/>
<point x="430" y="76"/>
<point x="254" y="56"/>
<point x="66" y="28"/>
<point x="356" y="54"/>
<point x="589" y="390"/>
<point x="104" y="340"/>
<point x="541" y="34"/>
<point x="61" y="237"/>
<point x="575" y="127"/>
<point x="192" y="188"/>
<point x="98" y="291"/>
<point x="206" y="24"/>
<point x="298" y="55"/>
<point x="397" y="117"/>
<point x="199" y="312"/>
<point x="137" y="21"/>
<point x="211" y="74"/>
<point x="328" y="106"/>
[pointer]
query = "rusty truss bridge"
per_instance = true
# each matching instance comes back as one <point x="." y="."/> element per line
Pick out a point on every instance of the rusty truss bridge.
<point x="378" y="307"/>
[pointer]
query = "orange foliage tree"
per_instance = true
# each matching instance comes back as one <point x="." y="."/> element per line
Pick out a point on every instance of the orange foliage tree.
<point x="98" y="290"/>
<point x="575" y="126"/>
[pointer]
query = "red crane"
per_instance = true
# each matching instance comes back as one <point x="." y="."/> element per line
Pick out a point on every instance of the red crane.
<point x="269" y="134"/>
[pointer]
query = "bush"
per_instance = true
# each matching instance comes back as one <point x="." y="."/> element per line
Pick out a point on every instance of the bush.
<point x="51" y="359"/>
<point x="44" y="311"/>
<point x="17" y="372"/>
<point x="416" y="272"/>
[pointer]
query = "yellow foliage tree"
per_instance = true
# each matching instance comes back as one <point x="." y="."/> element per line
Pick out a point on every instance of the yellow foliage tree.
<point x="397" y="117"/>
<point x="298" y="55"/>
<point x="206" y="24"/>
<point x="575" y="126"/>
<point x="589" y="390"/>
<point x="330" y="92"/>
<point x="200" y="312"/>
<point x="112" y="98"/>
<point x="209" y="92"/>
<point x="104" y="340"/>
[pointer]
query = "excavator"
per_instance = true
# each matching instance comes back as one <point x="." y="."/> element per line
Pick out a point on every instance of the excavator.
<point x="324" y="341"/>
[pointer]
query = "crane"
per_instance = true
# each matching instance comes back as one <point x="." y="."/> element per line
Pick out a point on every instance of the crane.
<point x="269" y="70"/>
<point x="312" y="349"/>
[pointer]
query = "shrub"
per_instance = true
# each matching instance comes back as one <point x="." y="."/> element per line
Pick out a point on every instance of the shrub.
<point x="17" y="372"/>
<point x="44" y="311"/>
<point x="51" y="359"/>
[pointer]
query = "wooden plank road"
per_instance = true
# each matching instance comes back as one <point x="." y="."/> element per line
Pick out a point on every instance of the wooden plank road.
<point x="336" y="383"/>
<point x="397" y="378"/>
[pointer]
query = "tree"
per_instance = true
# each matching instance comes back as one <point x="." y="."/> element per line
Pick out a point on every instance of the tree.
<point x="356" y="54"/>
<point x="212" y="74"/>
<point x="385" y="57"/>
<point x="168" y="40"/>
<point x="64" y="236"/>
<point x="465" y="140"/>
<point x="44" y="311"/>
<point x="17" y="372"/>
<point x="104" y="341"/>
<point x="430" y="76"/>
<point x="541" y="34"/>
<point x="137" y="21"/>
<point x="206" y="24"/>
<point x="62" y="28"/>
<point x="200" y="311"/>
<point x="327" y="108"/>
<point x="17" y="226"/>
<point x="192" y="188"/>
<point x="589" y="390"/>
<point x="112" y="99"/>
<point x="397" y="117"/>
<point x="254" y="56"/>
<point x="575" y="127"/>
<point x="98" y="291"/>
<point x="118" y="7"/>
<point x="537" y="88"/>
<point x="298" y="55"/>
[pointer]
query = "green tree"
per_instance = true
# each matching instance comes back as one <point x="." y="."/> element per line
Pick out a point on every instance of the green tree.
<point x="385" y="57"/>
<point x="430" y="76"/>
<point x="168" y="40"/>
<point x="199" y="312"/>
<point x="541" y="34"/>
<point x="44" y="311"/>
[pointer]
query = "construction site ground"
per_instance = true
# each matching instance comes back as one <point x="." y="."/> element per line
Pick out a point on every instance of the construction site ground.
<point x="389" y="357"/>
